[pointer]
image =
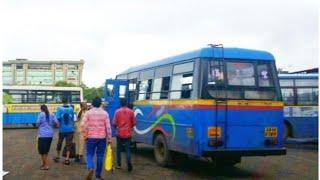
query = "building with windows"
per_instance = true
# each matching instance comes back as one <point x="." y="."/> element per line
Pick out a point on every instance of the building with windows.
<point x="47" y="73"/>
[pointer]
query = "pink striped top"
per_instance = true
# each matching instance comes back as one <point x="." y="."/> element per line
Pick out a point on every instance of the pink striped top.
<point x="96" y="124"/>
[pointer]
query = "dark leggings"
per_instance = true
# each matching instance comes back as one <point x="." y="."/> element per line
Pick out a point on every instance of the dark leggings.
<point x="69" y="137"/>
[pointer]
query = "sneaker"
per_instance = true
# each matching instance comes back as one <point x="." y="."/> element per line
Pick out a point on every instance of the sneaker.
<point x="129" y="167"/>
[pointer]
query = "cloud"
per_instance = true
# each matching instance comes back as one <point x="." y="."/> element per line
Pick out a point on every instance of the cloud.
<point x="113" y="35"/>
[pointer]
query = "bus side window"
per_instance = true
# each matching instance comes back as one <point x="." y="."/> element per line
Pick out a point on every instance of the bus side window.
<point x="132" y="90"/>
<point x="50" y="97"/>
<point x="75" y="97"/>
<point x="145" y="89"/>
<point x="110" y="90"/>
<point x="165" y="88"/>
<point x="148" y="95"/>
<point x="161" y="88"/>
<point x="181" y="86"/>
<point x="288" y="96"/>
<point x="307" y="96"/>
<point x="156" y="88"/>
<point x="122" y="91"/>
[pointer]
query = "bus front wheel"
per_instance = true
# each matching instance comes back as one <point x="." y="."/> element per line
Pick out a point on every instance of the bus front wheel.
<point x="161" y="150"/>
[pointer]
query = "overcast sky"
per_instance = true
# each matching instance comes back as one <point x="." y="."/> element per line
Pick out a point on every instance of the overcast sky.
<point x="114" y="35"/>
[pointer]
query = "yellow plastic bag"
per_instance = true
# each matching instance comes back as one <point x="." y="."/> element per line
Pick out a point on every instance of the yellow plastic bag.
<point x="108" y="160"/>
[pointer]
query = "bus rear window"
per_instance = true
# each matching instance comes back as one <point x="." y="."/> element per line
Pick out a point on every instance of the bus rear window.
<point x="264" y="76"/>
<point x="240" y="74"/>
<point x="241" y="79"/>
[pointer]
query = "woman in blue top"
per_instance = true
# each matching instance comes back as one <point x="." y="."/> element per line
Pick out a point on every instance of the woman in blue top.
<point x="45" y="123"/>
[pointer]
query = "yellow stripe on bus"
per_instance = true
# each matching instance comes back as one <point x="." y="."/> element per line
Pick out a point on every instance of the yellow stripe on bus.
<point x="254" y="103"/>
<point x="176" y="102"/>
<point x="29" y="108"/>
<point x="209" y="102"/>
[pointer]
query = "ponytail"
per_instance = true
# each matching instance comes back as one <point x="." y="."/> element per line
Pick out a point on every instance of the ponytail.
<point x="44" y="109"/>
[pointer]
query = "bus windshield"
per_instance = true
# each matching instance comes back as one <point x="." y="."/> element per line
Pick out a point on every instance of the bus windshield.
<point x="234" y="79"/>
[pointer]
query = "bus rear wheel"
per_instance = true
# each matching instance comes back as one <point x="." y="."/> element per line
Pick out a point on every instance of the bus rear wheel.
<point x="161" y="150"/>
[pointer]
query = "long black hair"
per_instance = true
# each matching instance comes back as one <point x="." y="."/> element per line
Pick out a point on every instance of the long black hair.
<point x="44" y="108"/>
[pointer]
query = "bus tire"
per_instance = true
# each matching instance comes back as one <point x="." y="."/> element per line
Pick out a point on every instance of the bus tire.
<point x="287" y="130"/>
<point x="161" y="151"/>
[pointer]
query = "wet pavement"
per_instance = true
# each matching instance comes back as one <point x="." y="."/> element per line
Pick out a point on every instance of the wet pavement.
<point x="22" y="160"/>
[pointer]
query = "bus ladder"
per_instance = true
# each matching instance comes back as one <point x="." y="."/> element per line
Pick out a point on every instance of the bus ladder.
<point x="220" y="101"/>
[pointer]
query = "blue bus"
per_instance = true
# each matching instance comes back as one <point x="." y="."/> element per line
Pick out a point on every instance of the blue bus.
<point x="300" y="96"/>
<point x="214" y="102"/>
<point x="26" y="101"/>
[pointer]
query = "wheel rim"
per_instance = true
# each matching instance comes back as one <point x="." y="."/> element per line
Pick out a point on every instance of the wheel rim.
<point x="160" y="149"/>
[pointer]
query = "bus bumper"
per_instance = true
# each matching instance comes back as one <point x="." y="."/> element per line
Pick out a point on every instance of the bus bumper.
<point x="246" y="152"/>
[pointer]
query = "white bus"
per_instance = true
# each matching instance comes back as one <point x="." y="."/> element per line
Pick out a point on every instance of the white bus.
<point x="26" y="101"/>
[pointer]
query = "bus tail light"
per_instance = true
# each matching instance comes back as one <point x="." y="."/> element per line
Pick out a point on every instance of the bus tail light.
<point x="215" y="142"/>
<point x="214" y="131"/>
<point x="271" y="142"/>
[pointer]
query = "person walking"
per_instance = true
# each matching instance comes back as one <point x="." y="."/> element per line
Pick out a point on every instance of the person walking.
<point x="65" y="116"/>
<point x="124" y="121"/>
<point x="79" y="137"/>
<point x="45" y="124"/>
<point x="96" y="129"/>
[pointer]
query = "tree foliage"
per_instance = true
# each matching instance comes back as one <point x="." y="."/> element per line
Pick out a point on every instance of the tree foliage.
<point x="7" y="99"/>
<point x="64" y="84"/>
<point x="88" y="93"/>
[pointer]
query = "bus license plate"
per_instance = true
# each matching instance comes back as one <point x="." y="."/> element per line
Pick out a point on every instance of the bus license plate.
<point x="270" y="132"/>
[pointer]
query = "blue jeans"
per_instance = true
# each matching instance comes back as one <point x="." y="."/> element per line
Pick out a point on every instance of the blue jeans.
<point x="98" y="146"/>
<point x="123" y="144"/>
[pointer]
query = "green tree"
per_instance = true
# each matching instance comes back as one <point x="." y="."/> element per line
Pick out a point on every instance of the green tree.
<point x="7" y="99"/>
<point x="90" y="93"/>
<point x="64" y="84"/>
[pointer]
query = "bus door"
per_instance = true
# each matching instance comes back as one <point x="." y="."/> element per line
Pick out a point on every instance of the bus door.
<point x="220" y="123"/>
<point x="115" y="90"/>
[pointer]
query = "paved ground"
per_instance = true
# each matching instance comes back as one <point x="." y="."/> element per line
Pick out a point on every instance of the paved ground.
<point x="22" y="160"/>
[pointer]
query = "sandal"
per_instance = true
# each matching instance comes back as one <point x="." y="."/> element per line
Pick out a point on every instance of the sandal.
<point x="66" y="162"/>
<point x="44" y="168"/>
<point x="56" y="159"/>
<point x="89" y="175"/>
